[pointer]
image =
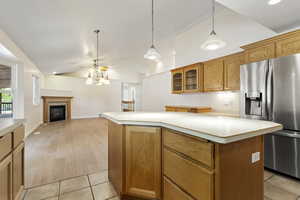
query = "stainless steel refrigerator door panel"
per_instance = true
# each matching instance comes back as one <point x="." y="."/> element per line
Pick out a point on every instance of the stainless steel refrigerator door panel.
<point x="286" y="108"/>
<point x="252" y="88"/>
<point x="282" y="153"/>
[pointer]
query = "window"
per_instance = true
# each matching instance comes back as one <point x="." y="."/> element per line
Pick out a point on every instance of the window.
<point x="36" y="90"/>
<point x="6" y="100"/>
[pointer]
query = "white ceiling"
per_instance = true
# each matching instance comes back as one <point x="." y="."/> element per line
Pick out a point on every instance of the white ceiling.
<point x="58" y="34"/>
<point x="279" y="17"/>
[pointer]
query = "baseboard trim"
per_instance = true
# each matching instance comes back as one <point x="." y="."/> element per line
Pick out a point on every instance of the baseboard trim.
<point x="33" y="130"/>
<point x="85" y="117"/>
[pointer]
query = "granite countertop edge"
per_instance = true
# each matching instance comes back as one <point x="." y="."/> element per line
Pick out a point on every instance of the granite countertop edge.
<point x="8" y="125"/>
<point x="198" y="133"/>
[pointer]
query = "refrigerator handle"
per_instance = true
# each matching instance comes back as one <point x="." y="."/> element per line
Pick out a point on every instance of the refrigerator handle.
<point x="270" y="91"/>
<point x="287" y="134"/>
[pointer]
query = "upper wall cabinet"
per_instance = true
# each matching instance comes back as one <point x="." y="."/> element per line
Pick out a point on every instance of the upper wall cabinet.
<point x="288" y="46"/>
<point x="232" y="71"/>
<point x="281" y="45"/>
<point x="193" y="77"/>
<point x="177" y="81"/>
<point x="260" y="53"/>
<point x="224" y="73"/>
<point x="191" y="82"/>
<point x="213" y="75"/>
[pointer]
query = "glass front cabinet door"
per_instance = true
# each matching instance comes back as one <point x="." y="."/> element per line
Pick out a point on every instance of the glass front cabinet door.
<point x="177" y="81"/>
<point x="192" y="78"/>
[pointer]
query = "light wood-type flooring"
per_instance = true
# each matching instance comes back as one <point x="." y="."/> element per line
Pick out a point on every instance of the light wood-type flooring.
<point x="65" y="149"/>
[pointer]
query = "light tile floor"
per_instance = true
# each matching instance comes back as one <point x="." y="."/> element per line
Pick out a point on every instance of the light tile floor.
<point x="97" y="187"/>
<point x="90" y="187"/>
<point x="278" y="187"/>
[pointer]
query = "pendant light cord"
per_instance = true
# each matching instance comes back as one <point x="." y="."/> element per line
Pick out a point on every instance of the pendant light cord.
<point x="152" y="22"/>
<point x="213" y="15"/>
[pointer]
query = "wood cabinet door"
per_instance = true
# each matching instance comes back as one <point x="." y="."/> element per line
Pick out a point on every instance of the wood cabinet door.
<point x="143" y="162"/>
<point x="191" y="78"/>
<point x="115" y="155"/>
<point x="288" y="46"/>
<point x="232" y="66"/>
<point x="18" y="171"/>
<point x="213" y="76"/>
<point x="177" y="81"/>
<point x="260" y="53"/>
<point x="6" y="178"/>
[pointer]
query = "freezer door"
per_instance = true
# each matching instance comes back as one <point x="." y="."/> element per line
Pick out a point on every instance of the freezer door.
<point x="286" y="93"/>
<point x="282" y="152"/>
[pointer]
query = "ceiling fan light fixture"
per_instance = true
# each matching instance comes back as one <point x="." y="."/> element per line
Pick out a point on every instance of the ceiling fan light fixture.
<point x="106" y="82"/>
<point x="213" y="42"/>
<point x="89" y="80"/>
<point x="97" y="72"/>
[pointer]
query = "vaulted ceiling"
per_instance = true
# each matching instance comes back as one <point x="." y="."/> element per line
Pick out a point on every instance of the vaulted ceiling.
<point x="58" y="34"/>
<point x="280" y="17"/>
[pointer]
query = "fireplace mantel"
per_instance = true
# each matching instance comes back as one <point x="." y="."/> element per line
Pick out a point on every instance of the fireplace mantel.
<point x="48" y="100"/>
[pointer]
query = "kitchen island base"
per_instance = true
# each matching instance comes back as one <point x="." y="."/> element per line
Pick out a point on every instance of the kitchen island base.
<point x="148" y="162"/>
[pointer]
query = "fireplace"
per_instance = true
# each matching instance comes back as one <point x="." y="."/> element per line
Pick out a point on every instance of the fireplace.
<point x="57" y="113"/>
<point x="57" y="108"/>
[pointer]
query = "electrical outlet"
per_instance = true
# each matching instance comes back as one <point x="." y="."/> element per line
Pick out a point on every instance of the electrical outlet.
<point x="255" y="157"/>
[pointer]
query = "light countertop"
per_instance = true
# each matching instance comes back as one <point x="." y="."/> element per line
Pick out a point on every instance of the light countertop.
<point x="8" y="125"/>
<point x="220" y="129"/>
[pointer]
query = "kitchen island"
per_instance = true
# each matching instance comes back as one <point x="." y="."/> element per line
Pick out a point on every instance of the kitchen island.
<point x="186" y="156"/>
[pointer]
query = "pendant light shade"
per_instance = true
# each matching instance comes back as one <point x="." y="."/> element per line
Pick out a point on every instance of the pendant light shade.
<point x="213" y="42"/>
<point x="152" y="53"/>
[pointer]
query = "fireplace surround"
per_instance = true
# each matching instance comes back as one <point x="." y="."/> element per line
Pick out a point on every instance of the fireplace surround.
<point x="56" y="108"/>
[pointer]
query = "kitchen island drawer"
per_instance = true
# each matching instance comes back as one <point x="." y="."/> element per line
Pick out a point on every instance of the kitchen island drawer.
<point x="5" y="145"/>
<point x="191" y="177"/>
<point x="197" y="149"/>
<point x="173" y="192"/>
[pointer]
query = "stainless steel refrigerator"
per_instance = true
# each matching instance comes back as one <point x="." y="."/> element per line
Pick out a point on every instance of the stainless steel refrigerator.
<point x="270" y="90"/>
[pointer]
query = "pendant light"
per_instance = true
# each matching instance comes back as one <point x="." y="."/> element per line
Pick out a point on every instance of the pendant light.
<point x="152" y="53"/>
<point x="213" y="42"/>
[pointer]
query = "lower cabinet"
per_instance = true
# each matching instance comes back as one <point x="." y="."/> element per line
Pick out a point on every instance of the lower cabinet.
<point x="12" y="165"/>
<point x="6" y="178"/>
<point x="18" y="171"/>
<point x="115" y="156"/>
<point x="193" y="178"/>
<point x="143" y="162"/>
<point x="173" y="192"/>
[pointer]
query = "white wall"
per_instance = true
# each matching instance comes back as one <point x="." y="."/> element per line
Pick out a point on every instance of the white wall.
<point x="185" y="49"/>
<point x="89" y="100"/>
<point x="32" y="113"/>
